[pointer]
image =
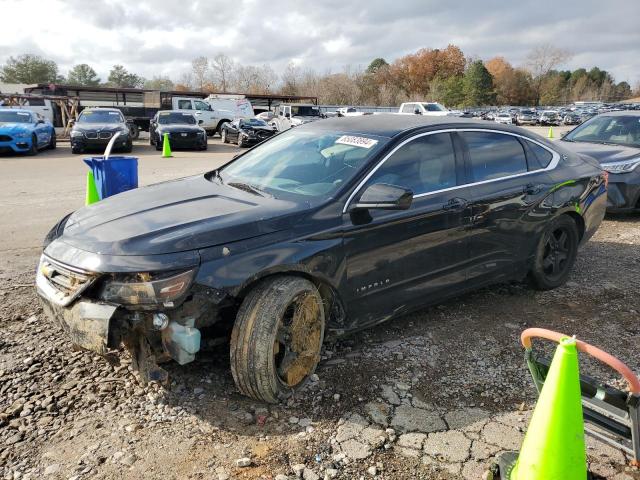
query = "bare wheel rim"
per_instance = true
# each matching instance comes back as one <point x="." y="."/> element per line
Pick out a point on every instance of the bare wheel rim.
<point x="555" y="260"/>
<point x="224" y="136"/>
<point x="296" y="349"/>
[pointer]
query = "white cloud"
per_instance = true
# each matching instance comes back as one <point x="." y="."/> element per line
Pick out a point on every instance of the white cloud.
<point x="162" y="36"/>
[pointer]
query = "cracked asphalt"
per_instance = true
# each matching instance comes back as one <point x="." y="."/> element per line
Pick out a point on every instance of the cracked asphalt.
<point x="432" y="395"/>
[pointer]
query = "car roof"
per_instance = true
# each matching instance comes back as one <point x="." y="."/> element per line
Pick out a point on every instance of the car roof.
<point x="390" y="124"/>
<point x="176" y="111"/>
<point x="621" y="113"/>
<point x="22" y="110"/>
<point x="104" y="109"/>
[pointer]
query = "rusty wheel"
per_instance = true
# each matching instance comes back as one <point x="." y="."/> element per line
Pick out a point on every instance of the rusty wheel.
<point x="277" y="337"/>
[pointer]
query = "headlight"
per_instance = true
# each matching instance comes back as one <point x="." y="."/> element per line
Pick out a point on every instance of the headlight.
<point x="22" y="135"/>
<point x="147" y="289"/>
<point x="77" y="133"/>
<point x="621" y="167"/>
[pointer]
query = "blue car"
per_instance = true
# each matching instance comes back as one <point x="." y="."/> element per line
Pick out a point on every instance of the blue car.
<point x="23" y="131"/>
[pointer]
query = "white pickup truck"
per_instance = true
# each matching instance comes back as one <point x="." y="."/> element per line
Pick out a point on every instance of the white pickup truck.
<point x="294" y="114"/>
<point x="215" y="110"/>
<point x="423" y="108"/>
<point x="43" y="106"/>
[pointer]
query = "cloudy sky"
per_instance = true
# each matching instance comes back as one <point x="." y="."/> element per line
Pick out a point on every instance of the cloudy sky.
<point x="160" y="37"/>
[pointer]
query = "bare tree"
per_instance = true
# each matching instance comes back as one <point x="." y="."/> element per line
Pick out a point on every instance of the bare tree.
<point x="290" y="79"/>
<point x="252" y="79"/>
<point x="200" y="68"/>
<point x="540" y="62"/>
<point x="223" y="68"/>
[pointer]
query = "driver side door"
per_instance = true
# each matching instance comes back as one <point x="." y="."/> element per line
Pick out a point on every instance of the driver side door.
<point x="399" y="260"/>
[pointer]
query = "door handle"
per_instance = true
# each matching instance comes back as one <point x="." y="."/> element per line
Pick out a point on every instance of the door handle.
<point x="455" y="204"/>
<point x="531" y="189"/>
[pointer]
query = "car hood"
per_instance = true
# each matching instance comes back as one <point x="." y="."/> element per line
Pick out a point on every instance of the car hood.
<point x="179" y="127"/>
<point x="15" y="127"/>
<point x="176" y="216"/>
<point x="258" y="129"/>
<point x="98" y="126"/>
<point x="603" y="153"/>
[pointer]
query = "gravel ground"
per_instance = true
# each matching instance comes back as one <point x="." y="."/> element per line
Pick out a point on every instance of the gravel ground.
<point x="436" y="394"/>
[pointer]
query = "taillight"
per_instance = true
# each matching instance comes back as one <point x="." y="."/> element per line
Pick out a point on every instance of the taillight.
<point x="605" y="175"/>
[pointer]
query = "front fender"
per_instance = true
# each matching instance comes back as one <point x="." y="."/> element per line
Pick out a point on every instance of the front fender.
<point x="233" y="269"/>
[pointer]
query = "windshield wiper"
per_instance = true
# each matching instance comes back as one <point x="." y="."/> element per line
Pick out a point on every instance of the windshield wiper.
<point x="247" y="188"/>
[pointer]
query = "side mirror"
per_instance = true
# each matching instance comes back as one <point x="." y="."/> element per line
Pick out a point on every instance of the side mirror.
<point x="200" y="122"/>
<point x="287" y="115"/>
<point x="383" y="196"/>
<point x="417" y="111"/>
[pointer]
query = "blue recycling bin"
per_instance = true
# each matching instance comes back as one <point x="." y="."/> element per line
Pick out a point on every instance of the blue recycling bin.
<point x="114" y="174"/>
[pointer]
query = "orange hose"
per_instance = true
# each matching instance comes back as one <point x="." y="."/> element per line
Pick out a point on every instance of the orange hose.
<point x="604" y="357"/>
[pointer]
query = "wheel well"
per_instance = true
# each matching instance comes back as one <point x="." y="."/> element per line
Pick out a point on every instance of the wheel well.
<point x="579" y="222"/>
<point x="333" y="308"/>
<point x="220" y="123"/>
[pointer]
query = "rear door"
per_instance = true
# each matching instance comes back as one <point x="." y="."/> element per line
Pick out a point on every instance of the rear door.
<point x="507" y="187"/>
<point x="397" y="260"/>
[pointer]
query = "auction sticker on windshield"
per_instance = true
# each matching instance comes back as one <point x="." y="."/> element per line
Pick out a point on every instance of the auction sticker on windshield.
<point x="362" y="142"/>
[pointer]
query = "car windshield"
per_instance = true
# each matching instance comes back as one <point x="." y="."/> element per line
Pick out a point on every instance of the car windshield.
<point x="433" y="107"/>
<point x="618" y="130"/>
<point x="100" y="116"/>
<point x="304" y="111"/>
<point x="8" y="116"/>
<point x="253" y="122"/>
<point x="301" y="163"/>
<point x="168" y="118"/>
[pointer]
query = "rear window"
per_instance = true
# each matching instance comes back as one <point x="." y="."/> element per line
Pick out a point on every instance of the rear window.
<point x="542" y="155"/>
<point x="494" y="155"/>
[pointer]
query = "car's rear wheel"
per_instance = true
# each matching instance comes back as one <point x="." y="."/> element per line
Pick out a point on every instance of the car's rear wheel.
<point x="52" y="142"/>
<point x="277" y="337"/>
<point x="556" y="253"/>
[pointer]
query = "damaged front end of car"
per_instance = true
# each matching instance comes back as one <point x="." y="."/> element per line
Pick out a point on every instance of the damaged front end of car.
<point x="156" y="316"/>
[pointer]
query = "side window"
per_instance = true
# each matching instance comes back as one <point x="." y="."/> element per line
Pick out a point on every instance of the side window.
<point x="184" y="105"/>
<point x="494" y="155"/>
<point x="423" y="165"/>
<point x="36" y="102"/>
<point x="408" y="108"/>
<point x="201" y="105"/>
<point x="542" y="155"/>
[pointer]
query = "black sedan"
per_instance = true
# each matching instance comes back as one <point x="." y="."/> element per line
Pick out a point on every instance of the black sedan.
<point x="181" y="127"/>
<point x="246" y="131"/>
<point x="328" y="228"/>
<point x="614" y="140"/>
<point x="95" y="128"/>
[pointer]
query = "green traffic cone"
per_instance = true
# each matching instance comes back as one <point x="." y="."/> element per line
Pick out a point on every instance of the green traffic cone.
<point x="554" y="446"/>
<point x="550" y="134"/>
<point x="91" y="195"/>
<point x="166" y="148"/>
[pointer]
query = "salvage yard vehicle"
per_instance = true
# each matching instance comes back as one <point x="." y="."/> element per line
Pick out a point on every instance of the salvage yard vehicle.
<point x="246" y="131"/>
<point x="503" y="117"/>
<point x="549" y="117"/>
<point x="319" y="231"/>
<point x="432" y="109"/>
<point x="526" y="117"/>
<point x="181" y="127"/>
<point x="614" y="140"/>
<point x="294" y="115"/>
<point x="96" y="126"/>
<point x="23" y="131"/>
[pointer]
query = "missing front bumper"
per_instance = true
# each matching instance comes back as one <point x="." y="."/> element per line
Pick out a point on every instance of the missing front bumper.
<point x="86" y="323"/>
